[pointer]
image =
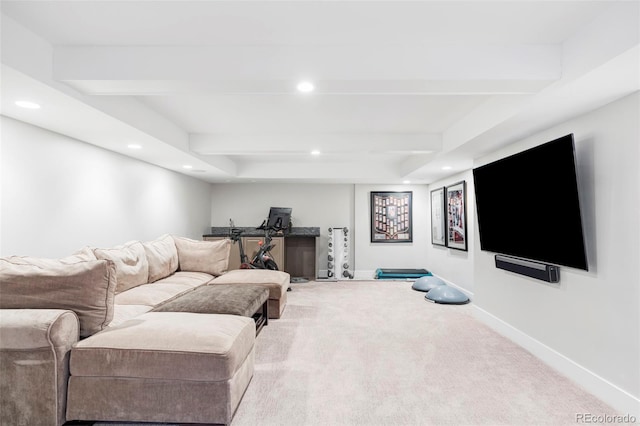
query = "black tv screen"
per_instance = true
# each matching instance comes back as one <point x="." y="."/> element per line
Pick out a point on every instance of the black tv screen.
<point x="279" y="218"/>
<point x="528" y="206"/>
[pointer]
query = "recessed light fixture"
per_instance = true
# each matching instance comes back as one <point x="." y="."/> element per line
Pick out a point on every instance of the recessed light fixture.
<point x="305" y="87"/>
<point x="187" y="166"/>
<point x="446" y="167"/>
<point x="406" y="182"/>
<point x="134" y="146"/>
<point x="315" y="152"/>
<point x="28" y="104"/>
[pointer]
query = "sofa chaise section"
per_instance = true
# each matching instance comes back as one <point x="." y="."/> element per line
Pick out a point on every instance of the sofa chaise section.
<point x="172" y="367"/>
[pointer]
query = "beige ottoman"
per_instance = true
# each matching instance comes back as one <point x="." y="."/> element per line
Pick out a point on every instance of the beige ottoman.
<point x="276" y="281"/>
<point x="173" y="367"/>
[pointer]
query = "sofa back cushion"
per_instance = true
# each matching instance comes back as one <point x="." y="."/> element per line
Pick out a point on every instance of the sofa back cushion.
<point x="132" y="267"/>
<point x="85" y="253"/>
<point x="211" y="257"/>
<point x="86" y="287"/>
<point x="162" y="256"/>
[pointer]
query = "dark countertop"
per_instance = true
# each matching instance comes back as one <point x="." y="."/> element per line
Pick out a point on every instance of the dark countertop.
<point x="251" y="231"/>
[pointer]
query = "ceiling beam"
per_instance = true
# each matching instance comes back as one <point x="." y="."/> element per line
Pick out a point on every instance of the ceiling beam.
<point x="225" y="144"/>
<point x="323" y="87"/>
<point x="374" y="172"/>
<point x="289" y="63"/>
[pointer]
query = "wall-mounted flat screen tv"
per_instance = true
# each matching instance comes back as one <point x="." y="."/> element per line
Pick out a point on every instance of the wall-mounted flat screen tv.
<point x="528" y="206"/>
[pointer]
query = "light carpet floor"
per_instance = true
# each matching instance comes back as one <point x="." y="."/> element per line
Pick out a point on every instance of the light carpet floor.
<point x="377" y="353"/>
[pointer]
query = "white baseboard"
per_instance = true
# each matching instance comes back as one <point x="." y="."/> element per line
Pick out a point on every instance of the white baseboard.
<point x="622" y="401"/>
<point x="364" y="274"/>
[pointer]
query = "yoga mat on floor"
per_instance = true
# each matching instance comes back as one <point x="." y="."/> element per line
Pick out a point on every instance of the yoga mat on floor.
<point x="400" y="273"/>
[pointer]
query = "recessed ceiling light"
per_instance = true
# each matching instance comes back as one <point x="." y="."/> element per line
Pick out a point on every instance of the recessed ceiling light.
<point x="446" y="167"/>
<point x="134" y="146"/>
<point x="406" y="182"/>
<point x="27" y="104"/>
<point x="187" y="166"/>
<point x="315" y="152"/>
<point x="305" y="87"/>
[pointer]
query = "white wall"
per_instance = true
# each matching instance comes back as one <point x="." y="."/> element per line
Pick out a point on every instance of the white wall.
<point x="455" y="266"/>
<point x="588" y="325"/>
<point x="371" y="256"/>
<point x="60" y="194"/>
<point x="322" y="205"/>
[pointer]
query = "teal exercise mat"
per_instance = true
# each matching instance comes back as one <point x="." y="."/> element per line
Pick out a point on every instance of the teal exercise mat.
<point x="401" y="273"/>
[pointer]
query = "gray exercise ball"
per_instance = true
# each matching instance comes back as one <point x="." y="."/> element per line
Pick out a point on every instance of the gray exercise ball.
<point x="446" y="295"/>
<point x="427" y="283"/>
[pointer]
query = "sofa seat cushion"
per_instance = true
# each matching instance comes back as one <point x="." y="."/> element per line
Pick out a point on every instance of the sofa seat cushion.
<point x="85" y="287"/>
<point x="151" y="294"/>
<point x="191" y="279"/>
<point x="168" y="346"/>
<point x="276" y="281"/>
<point x="122" y="313"/>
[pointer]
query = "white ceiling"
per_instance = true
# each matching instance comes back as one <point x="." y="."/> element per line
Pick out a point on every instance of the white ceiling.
<point x="402" y="88"/>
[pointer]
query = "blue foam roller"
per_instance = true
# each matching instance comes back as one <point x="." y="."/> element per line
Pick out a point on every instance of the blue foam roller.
<point x="427" y="283"/>
<point x="446" y="295"/>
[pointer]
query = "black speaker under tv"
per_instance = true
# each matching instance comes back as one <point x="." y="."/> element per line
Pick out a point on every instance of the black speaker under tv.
<point x="528" y="206"/>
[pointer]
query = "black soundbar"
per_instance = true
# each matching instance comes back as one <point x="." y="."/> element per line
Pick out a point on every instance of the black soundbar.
<point x="541" y="271"/>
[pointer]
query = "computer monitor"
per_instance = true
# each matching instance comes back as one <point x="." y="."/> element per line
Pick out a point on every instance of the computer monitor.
<point x="279" y="218"/>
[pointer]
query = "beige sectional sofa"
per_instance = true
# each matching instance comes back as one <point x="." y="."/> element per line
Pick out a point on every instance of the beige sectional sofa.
<point x="80" y="340"/>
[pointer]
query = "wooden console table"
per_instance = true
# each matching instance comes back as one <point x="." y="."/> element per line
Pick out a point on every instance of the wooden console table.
<point x="295" y="250"/>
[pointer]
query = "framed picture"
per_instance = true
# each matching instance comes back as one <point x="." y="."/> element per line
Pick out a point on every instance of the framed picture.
<point x="438" y="218"/>
<point x="457" y="216"/>
<point x="391" y="217"/>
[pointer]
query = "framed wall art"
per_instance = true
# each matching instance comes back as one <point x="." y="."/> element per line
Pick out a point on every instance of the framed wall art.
<point x="391" y="217"/>
<point x="457" y="216"/>
<point x="438" y="218"/>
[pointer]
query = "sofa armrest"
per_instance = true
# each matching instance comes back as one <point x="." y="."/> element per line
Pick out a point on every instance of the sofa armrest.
<point x="34" y="364"/>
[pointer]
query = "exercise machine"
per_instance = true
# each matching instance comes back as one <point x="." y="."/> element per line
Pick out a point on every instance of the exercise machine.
<point x="263" y="258"/>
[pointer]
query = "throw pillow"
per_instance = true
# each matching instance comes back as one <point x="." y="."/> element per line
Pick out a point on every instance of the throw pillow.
<point x="211" y="257"/>
<point x="84" y="253"/>
<point x="84" y="287"/>
<point x="132" y="267"/>
<point x="162" y="256"/>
